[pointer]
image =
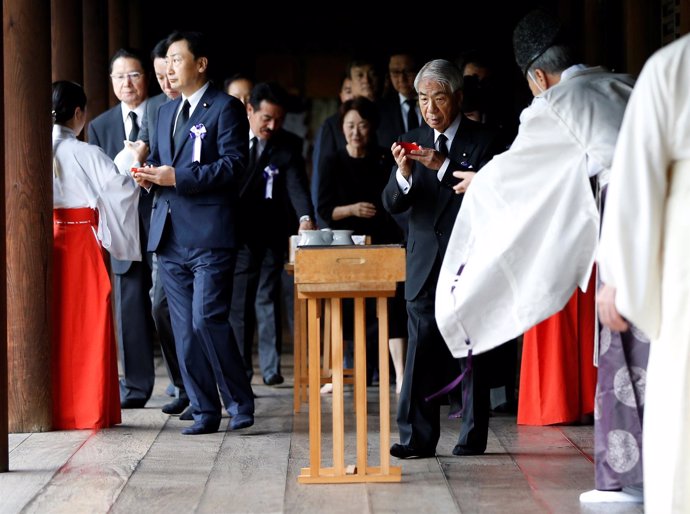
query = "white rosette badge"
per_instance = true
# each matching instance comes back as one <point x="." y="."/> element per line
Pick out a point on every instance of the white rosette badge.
<point x="270" y="171"/>
<point x="197" y="133"/>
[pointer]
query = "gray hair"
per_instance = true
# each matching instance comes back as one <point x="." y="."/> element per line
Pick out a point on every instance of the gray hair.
<point x="441" y="71"/>
<point x="554" y="60"/>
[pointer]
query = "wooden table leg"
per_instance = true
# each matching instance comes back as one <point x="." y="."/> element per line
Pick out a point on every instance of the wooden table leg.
<point x="361" y="385"/>
<point x="327" y="334"/>
<point x="297" y="353"/>
<point x="338" y="392"/>
<point x="384" y="386"/>
<point x="314" y="386"/>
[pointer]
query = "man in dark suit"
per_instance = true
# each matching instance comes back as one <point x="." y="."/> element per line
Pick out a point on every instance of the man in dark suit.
<point x="422" y="183"/>
<point x="399" y="110"/>
<point x="134" y="323"/>
<point x="161" y="314"/>
<point x="275" y="203"/>
<point x="196" y="159"/>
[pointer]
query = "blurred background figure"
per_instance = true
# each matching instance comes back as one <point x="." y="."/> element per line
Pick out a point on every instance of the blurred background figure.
<point x="352" y="181"/>
<point x="274" y="203"/>
<point x="240" y="86"/>
<point x="364" y="81"/>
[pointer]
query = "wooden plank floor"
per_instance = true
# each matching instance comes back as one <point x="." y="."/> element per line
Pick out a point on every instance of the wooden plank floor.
<point x="146" y="465"/>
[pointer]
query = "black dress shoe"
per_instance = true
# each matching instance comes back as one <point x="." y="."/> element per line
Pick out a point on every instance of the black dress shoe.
<point x="403" y="451"/>
<point x="132" y="403"/>
<point x="240" y="421"/>
<point x="188" y="414"/>
<point x="202" y="427"/>
<point x="462" y="450"/>
<point x="274" y="379"/>
<point x="176" y="406"/>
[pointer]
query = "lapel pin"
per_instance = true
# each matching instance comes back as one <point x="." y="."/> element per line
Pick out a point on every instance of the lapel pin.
<point x="205" y="105"/>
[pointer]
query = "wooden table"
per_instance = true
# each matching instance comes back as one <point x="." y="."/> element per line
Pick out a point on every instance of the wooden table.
<point x="327" y="275"/>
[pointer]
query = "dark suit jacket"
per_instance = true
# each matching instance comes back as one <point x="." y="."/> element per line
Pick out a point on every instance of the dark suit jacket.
<point x="203" y="201"/>
<point x="151" y="116"/>
<point x="108" y="131"/>
<point x="391" y="123"/>
<point x="272" y="222"/>
<point x="433" y="205"/>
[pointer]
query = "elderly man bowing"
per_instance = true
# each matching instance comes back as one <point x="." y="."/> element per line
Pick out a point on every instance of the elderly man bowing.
<point x="421" y="183"/>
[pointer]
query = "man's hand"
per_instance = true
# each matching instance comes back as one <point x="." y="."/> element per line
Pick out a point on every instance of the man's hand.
<point x="606" y="306"/>
<point x="429" y="158"/>
<point x="363" y="210"/>
<point x="465" y="180"/>
<point x="161" y="175"/>
<point x="401" y="159"/>
<point x="306" y="225"/>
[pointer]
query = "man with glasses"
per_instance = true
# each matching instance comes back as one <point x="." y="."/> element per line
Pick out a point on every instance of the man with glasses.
<point x="399" y="111"/>
<point x="134" y="322"/>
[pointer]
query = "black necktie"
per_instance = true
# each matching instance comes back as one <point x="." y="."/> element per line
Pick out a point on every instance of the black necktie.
<point x="182" y="119"/>
<point x="134" y="131"/>
<point x="442" y="147"/>
<point x="412" y="120"/>
<point x="253" y="153"/>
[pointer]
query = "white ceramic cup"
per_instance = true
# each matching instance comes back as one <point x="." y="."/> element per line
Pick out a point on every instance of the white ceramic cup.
<point x="342" y="237"/>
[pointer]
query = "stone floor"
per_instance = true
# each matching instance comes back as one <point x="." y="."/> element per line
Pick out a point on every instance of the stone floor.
<point x="145" y="465"/>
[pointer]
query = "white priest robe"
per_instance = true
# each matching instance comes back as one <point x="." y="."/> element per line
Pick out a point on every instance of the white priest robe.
<point x="528" y="227"/>
<point x="645" y="254"/>
<point x="84" y="176"/>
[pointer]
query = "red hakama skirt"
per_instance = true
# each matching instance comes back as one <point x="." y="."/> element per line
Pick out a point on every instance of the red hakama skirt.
<point x="557" y="375"/>
<point x="85" y="382"/>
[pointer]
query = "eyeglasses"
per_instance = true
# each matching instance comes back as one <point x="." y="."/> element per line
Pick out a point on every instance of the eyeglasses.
<point x="134" y="76"/>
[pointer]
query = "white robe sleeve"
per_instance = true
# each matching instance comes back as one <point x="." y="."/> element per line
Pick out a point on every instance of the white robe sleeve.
<point x="118" y="225"/>
<point x="528" y="228"/>
<point x="521" y="219"/>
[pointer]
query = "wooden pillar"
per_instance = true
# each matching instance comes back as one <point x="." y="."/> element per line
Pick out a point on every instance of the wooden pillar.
<point x="642" y="33"/>
<point x="593" y="30"/>
<point x="4" y="442"/>
<point x="28" y="211"/>
<point x="137" y="28"/>
<point x="684" y="17"/>
<point x="96" y="57"/>
<point x="66" y="37"/>
<point x="118" y="33"/>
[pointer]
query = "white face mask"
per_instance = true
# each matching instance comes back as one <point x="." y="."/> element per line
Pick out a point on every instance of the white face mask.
<point x="534" y="79"/>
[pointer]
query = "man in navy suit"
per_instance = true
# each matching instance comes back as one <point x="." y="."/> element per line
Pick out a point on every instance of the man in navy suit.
<point x="422" y="182"/>
<point x="275" y="203"/>
<point x="134" y="323"/>
<point x="161" y="315"/>
<point x="197" y="159"/>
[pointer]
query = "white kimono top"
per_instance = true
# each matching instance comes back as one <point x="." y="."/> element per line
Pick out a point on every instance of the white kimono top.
<point x="655" y="134"/>
<point x="84" y="176"/>
<point x="526" y="234"/>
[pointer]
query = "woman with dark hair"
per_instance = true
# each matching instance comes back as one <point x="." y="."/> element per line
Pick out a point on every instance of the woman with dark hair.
<point x="352" y="181"/>
<point x="94" y="208"/>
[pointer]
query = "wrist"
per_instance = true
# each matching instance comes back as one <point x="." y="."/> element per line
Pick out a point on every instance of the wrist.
<point x="305" y="218"/>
